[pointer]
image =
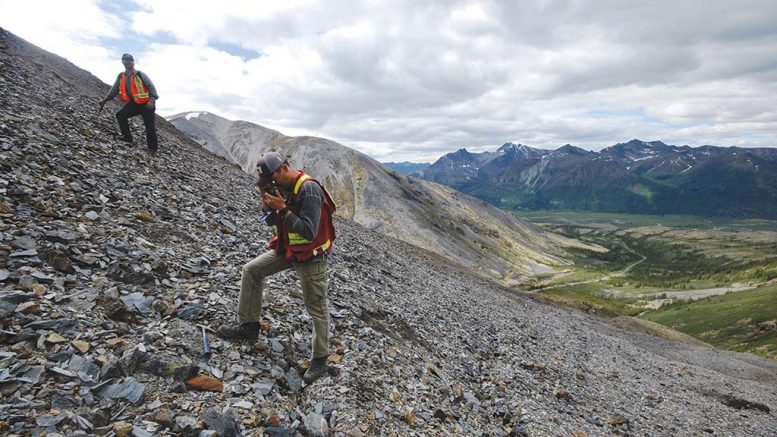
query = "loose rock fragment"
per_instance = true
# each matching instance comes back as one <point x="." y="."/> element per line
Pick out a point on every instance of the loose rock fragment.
<point x="122" y="429"/>
<point x="316" y="425"/>
<point x="129" y="389"/>
<point x="205" y="383"/>
<point x="56" y="338"/>
<point x="81" y="346"/>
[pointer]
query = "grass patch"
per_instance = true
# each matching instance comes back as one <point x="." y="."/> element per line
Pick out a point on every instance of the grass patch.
<point x="576" y="276"/>
<point x="744" y="321"/>
<point x="637" y="220"/>
<point x="590" y="293"/>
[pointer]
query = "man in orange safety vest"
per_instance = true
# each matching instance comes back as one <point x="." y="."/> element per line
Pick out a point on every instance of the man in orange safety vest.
<point x="136" y="90"/>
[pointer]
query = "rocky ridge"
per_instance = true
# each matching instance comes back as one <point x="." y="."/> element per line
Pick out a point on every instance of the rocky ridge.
<point x="454" y="225"/>
<point x="109" y="261"/>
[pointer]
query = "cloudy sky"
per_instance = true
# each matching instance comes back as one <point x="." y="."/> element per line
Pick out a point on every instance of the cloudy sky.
<point x="412" y="80"/>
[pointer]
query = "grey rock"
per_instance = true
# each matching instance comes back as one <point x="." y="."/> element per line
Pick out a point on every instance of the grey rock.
<point x="224" y="424"/>
<point x="277" y="431"/>
<point x="62" y="236"/>
<point x="138" y="302"/>
<point x="33" y="374"/>
<point x="42" y="278"/>
<point x="24" y="243"/>
<point x="59" y="325"/>
<point x="178" y="387"/>
<point x="192" y="311"/>
<point x="63" y="400"/>
<point x="140" y="432"/>
<point x="129" y="389"/>
<point x="47" y="421"/>
<point x="86" y="370"/>
<point x="316" y="425"/>
<point x="294" y="380"/>
<point x="188" y="425"/>
<point x="264" y="387"/>
<point x="185" y="372"/>
<point x="9" y="300"/>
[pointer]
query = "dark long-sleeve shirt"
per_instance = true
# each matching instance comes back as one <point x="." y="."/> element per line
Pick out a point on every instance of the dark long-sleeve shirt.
<point x="310" y="200"/>
<point x="143" y="76"/>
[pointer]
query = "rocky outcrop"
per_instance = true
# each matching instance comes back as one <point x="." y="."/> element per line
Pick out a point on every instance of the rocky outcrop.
<point x="109" y="261"/>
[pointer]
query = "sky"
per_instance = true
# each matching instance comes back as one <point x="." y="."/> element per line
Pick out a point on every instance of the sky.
<point x="411" y="80"/>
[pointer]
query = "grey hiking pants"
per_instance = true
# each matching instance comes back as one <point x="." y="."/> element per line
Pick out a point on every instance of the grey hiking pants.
<point x="314" y="283"/>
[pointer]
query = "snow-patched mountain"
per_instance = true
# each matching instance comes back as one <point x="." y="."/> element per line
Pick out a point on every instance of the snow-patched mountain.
<point x="632" y="177"/>
<point x="420" y="212"/>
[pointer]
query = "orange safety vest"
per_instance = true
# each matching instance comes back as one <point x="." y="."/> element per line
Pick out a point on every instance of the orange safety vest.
<point x="293" y="246"/>
<point x="138" y="88"/>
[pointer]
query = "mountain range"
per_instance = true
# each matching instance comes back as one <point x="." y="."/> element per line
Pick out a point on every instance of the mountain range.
<point x="420" y="212"/>
<point x="407" y="167"/>
<point x="633" y="177"/>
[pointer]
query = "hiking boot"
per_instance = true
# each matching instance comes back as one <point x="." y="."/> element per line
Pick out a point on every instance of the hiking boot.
<point x="124" y="139"/>
<point x="243" y="331"/>
<point x="316" y="370"/>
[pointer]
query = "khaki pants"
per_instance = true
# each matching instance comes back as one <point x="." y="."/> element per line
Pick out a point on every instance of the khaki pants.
<point x="314" y="281"/>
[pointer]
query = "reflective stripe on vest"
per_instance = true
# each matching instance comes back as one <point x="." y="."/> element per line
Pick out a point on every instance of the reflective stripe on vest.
<point x="322" y="248"/>
<point x="138" y="89"/>
<point x="299" y="183"/>
<point x="140" y="92"/>
<point x="296" y="239"/>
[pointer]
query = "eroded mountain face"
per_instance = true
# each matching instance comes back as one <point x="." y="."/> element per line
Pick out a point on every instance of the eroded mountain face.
<point x="432" y="216"/>
<point x="110" y="260"/>
<point x="634" y="177"/>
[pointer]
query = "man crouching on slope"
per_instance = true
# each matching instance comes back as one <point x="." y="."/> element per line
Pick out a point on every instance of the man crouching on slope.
<point x="305" y="232"/>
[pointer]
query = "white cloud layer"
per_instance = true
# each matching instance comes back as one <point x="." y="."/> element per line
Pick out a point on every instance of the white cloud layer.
<point x="413" y="80"/>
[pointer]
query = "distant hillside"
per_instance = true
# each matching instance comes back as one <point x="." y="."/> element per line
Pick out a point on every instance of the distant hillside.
<point x="406" y="167"/>
<point x="420" y="212"/>
<point x="634" y="177"/>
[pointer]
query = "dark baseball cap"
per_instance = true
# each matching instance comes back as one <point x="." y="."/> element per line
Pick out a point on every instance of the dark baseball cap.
<point x="127" y="57"/>
<point x="268" y="163"/>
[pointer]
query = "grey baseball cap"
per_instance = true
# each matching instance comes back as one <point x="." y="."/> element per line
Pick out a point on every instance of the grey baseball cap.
<point x="127" y="57"/>
<point x="268" y="163"/>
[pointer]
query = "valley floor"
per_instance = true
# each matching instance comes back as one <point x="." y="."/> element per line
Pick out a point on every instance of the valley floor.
<point x="680" y="271"/>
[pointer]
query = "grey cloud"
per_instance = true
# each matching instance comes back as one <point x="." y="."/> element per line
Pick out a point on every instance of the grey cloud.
<point x="425" y="80"/>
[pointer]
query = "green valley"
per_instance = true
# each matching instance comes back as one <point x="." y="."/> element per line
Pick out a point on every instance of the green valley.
<point x="714" y="279"/>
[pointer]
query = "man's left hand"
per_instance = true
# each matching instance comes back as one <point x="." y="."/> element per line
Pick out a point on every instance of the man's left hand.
<point x="275" y="202"/>
<point x="151" y="104"/>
